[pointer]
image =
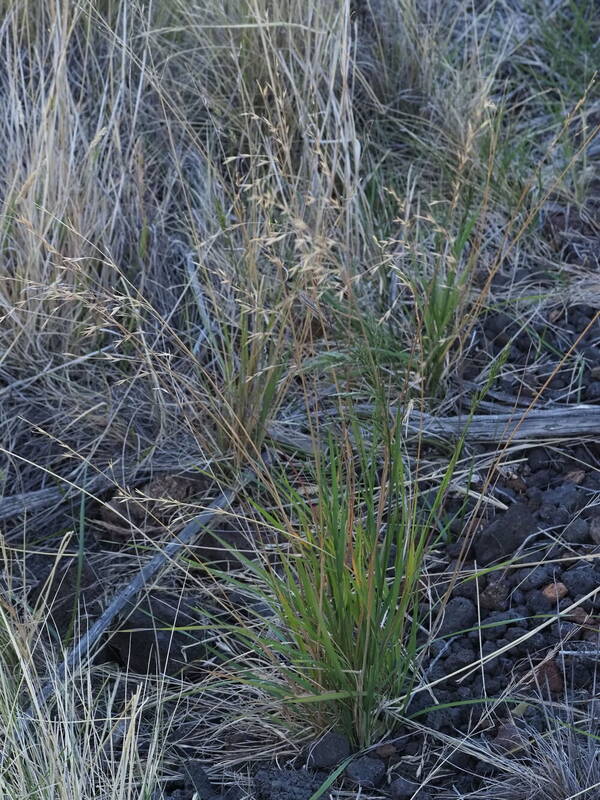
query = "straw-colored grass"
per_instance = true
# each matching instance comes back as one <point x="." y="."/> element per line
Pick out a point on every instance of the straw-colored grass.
<point x="220" y="214"/>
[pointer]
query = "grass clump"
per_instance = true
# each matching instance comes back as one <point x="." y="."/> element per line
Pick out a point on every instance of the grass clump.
<point x="341" y="636"/>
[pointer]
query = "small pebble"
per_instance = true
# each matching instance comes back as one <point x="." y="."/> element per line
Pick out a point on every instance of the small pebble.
<point x="555" y="591"/>
<point x="549" y="675"/>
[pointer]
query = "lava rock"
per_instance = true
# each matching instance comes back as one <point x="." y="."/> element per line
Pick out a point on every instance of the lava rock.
<point x="493" y="684"/>
<point x="437" y="647"/>
<point x="535" y="578"/>
<point x="460" y="658"/>
<point x="514" y="632"/>
<point x="274" y="784"/>
<point x="580" y="580"/>
<point x="460" y="613"/>
<point x="554" y="515"/>
<point x="197" y="781"/>
<point x="542" y="477"/>
<point x="403" y="789"/>
<point x="594" y="529"/>
<point x="418" y="702"/>
<point x="592" y="391"/>
<point x="148" y="638"/>
<point x="330" y="749"/>
<point x="538" y="603"/>
<point x="517" y="598"/>
<point x="466" y="589"/>
<point x="441" y="719"/>
<point x="366" y="771"/>
<point x="461" y="760"/>
<point x="579" y="531"/>
<point x="494" y="625"/>
<point x="535" y="643"/>
<point x="538" y="458"/>
<point x="454" y="549"/>
<point x="567" y="496"/>
<point x="505" y="534"/>
<point x="521" y="611"/>
<point x="495" y="596"/>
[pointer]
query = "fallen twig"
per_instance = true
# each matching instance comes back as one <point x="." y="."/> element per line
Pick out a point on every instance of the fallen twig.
<point x="550" y="423"/>
<point x="40" y="499"/>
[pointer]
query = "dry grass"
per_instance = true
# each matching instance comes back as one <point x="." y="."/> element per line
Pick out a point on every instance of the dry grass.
<point x="216" y="215"/>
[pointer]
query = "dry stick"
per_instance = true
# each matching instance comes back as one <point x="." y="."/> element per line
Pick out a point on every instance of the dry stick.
<point x="555" y="422"/>
<point x="196" y="526"/>
<point x="40" y="499"/>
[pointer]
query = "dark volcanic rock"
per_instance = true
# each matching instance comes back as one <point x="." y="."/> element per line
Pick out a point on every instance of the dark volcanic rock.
<point x="403" y="789"/>
<point x="460" y="613"/>
<point x="578" y="531"/>
<point x="538" y="458"/>
<point x="198" y="782"/>
<point x="538" y="602"/>
<point x="461" y="657"/>
<point x="494" y="626"/>
<point x="535" y="578"/>
<point x="329" y="751"/>
<point x="580" y="580"/>
<point x="495" y="596"/>
<point x="467" y="588"/>
<point x="505" y="534"/>
<point x="366" y="771"/>
<point x="592" y="391"/>
<point x="276" y="784"/>
<point x="147" y="639"/>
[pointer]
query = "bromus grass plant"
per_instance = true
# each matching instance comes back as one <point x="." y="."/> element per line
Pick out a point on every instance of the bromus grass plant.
<point x="340" y="640"/>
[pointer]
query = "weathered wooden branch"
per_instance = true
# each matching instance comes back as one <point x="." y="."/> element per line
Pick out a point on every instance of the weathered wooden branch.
<point x="522" y="425"/>
<point x="566" y="422"/>
<point x="68" y="488"/>
<point x="30" y="502"/>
